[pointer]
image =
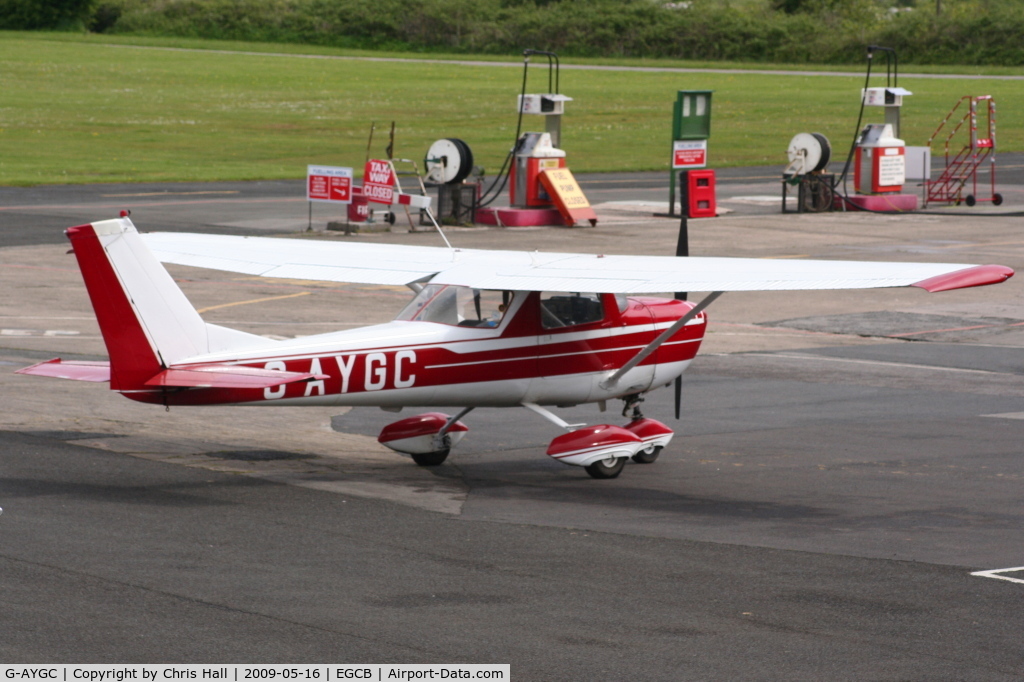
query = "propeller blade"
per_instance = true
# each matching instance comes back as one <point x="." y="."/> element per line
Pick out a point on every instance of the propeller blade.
<point x="679" y="394"/>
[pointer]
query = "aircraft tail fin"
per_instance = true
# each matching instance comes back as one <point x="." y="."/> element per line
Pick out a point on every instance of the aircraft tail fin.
<point x="147" y="322"/>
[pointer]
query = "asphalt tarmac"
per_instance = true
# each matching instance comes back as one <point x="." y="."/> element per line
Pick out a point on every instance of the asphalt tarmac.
<point x="844" y="463"/>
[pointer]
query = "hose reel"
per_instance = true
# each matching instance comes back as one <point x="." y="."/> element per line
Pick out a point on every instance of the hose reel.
<point x="809" y="154"/>
<point x="449" y="161"/>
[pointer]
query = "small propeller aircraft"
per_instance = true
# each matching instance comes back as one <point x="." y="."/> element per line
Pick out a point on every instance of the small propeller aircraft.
<point x="483" y="329"/>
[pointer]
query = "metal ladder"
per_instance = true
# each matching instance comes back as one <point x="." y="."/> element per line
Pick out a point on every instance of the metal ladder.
<point x="962" y="167"/>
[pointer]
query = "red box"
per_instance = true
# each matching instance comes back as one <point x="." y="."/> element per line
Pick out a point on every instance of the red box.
<point x="359" y="209"/>
<point x="700" y="186"/>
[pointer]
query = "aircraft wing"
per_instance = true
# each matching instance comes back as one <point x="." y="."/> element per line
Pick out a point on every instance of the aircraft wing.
<point x="535" y="271"/>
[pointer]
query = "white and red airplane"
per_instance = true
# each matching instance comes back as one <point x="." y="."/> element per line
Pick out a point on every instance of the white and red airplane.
<point x="484" y="329"/>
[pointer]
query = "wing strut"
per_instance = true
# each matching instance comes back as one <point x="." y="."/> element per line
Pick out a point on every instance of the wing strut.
<point x="662" y="338"/>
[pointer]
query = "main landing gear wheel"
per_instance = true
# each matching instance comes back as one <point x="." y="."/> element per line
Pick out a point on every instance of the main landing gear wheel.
<point x="607" y="468"/>
<point x="431" y="459"/>
<point x="647" y="456"/>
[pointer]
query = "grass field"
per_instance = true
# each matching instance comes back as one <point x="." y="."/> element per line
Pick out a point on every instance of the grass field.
<point x="88" y="109"/>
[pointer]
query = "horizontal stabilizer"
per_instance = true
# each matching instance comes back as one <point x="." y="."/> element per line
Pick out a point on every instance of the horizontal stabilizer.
<point x="79" y="370"/>
<point x="227" y="376"/>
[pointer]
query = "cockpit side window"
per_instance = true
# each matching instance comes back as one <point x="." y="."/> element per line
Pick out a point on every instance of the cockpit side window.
<point x="562" y="309"/>
<point x="459" y="306"/>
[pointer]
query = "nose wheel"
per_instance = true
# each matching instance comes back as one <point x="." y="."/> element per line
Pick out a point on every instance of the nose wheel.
<point x="648" y="455"/>
<point x="603" y="449"/>
<point x="431" y="459"/>
<point x="606" y="468"/>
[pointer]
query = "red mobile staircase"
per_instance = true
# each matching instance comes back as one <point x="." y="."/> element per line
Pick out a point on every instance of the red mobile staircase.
<point x="962" y="168"/>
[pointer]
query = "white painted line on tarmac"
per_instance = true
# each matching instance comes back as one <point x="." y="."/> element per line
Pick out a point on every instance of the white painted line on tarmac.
<point x="1006" y="415"/>
<point x="878" y="363"/>
<point x="38" y="332"/>
<point x="995" y="573"/>
<point x="754" y="199"/>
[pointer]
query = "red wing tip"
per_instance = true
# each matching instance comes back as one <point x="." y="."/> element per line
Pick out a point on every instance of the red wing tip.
<point x="28" y="370"/>
<point x="978" y="276"/>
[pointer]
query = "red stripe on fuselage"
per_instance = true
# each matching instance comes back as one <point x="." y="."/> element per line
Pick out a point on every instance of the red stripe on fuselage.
<point x="369" y="370"/>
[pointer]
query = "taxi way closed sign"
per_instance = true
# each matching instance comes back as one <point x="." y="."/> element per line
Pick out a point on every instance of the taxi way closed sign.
<point x="379" y="181"/>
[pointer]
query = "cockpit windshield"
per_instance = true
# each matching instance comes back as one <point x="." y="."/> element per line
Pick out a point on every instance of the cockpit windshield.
<point x="459" y="306"/>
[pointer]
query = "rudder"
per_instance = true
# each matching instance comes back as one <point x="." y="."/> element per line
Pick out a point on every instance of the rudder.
<point x="146" y="321"/>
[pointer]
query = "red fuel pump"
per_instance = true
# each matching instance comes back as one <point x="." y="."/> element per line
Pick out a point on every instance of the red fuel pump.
<point x="534" y="154"/>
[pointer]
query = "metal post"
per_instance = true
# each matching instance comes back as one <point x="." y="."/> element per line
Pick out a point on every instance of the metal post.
<point x="682" y="251"/>
<point x="673" y="173"/>
<point x="553" y="126"/>
<point x="683" y="241"/>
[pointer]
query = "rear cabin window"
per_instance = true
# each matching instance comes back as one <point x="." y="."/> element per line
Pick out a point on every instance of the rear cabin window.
<point x="561" y="309"/>
<point x="459" y="306"/>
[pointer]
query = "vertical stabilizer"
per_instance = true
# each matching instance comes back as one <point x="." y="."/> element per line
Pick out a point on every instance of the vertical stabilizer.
<point x="146" y="321"/>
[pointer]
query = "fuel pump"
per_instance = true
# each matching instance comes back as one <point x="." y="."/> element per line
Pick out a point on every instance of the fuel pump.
<point x="880" y="161"/>
<point x="541" y="188"/>
<point x="537" y="152"/>
<point x="534" y="153"/>
<point x="880" y="158"/>
<point x="877" y="153"/>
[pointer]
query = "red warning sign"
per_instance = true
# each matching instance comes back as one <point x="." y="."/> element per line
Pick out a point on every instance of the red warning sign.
<point x="329" y="183"/>
<point x="379" y="181"/>
<point x="689" y="153"/>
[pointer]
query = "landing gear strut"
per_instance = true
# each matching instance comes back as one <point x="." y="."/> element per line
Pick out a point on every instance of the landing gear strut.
<point x="632" y="402"/>
<point x="650" y="452"/>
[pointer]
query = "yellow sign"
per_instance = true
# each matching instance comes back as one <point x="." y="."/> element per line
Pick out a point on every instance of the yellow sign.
<point x="565" y="186"/>
<point x="567" y="196"/>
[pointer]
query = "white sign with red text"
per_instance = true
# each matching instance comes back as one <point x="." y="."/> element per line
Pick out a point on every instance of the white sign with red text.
<point x="689" y="153"/>
<point x="379" y="181"/>
<point x="329" y="183"/>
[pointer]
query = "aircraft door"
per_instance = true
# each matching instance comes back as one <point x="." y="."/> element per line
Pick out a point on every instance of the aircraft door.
<point x="581" y="337"/>
<point x="636" y="328"/>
